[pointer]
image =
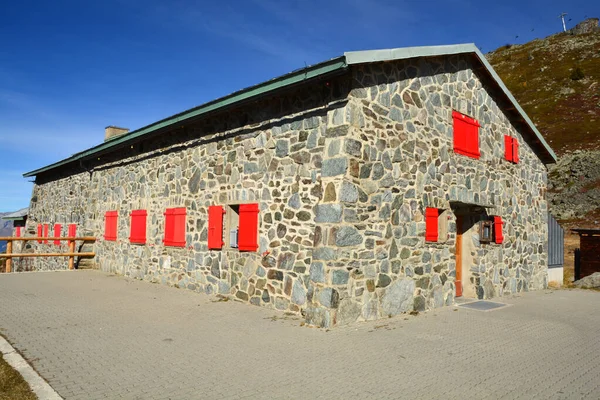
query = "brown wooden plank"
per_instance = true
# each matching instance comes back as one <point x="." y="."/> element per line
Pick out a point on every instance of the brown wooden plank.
<point x="26" y="238"/>
<point x="47" y="255"/>
<point x="459" y="235"/>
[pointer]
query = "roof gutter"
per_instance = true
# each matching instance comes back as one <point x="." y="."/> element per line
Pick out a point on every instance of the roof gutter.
<point x="314" y="71"/>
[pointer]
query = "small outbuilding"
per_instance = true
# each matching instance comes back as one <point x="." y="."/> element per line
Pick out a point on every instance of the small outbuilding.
<point x="587" y="259"/>
<point x="372" y="184"/>
<point x="19" y="218"/>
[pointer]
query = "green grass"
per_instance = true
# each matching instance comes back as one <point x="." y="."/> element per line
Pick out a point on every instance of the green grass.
<point x="12" y="384"/>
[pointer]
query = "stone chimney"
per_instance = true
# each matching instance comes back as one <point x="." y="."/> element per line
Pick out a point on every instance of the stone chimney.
<point x="113" y="131"/>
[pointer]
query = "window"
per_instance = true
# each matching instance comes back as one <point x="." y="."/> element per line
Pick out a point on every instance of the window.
<point x="57" y="230"/>
<point x="175" y="220"/>
<point x="485" y="231"/>
<point x="110" y="226"/>
<point x="45" y="233"/>
<point x="511" y="149"/>
<point x="137" y="233"/>
<point x="242" y="227"/>
<point x="39" y="232"/>
<point x="72" y="230"/>
<point x="466" y="135"/>
<point x="498" y="236"/>
<point x="436" y="225"/>
<point x="215" y="227"/>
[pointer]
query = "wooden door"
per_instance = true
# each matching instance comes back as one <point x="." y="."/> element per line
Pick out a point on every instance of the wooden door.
<point x="459" y="235"/>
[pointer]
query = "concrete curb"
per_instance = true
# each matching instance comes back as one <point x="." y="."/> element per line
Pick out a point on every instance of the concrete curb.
<point x="39" y="386"/>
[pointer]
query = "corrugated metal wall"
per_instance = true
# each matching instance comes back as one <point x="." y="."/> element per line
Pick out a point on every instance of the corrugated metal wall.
<point x="556" y="243"/>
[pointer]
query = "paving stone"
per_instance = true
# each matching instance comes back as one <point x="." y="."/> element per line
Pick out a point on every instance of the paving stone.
<point x="58" y="319"/>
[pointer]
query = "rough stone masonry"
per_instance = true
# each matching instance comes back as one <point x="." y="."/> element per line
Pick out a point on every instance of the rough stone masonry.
<point x="342" y="169"/>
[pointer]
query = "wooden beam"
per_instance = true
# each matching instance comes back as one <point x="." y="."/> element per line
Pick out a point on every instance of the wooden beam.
<point x="8" y="260"/>
<point x="26" y="238"/>
<point x="14" y="255"/>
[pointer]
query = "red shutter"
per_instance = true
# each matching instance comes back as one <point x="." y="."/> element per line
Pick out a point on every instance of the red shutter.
<point x="466" y="135"/>
<point x="460" y="135"/>
<point x="248" y="229"/>
<point x="474" y="139"/>
<point x="175" y="227"/>
<point x="39" y="232"/>
<point x="18" y="231"/>
<point x="72" y="230"/>
<point x="508" y="148"/>
<point x="168" y="239"/>
<point x="515" y="150"/>
<point x="45" y="233"/>
<point x="137" y="233"/>
<point x="431" y="224"/>
<point x="110" y="225"/>
<point x="57" y="230"/>
<point x="215" y="227"/>
<point x="498" y="238"/>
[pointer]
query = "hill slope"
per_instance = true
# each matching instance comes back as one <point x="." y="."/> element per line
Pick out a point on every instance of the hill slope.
<point x="557" y="82"/>
<point x="5" y="230"/>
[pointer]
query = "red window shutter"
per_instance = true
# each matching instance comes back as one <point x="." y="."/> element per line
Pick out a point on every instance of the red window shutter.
<point x="39" y="232"/>
<point x="175" y="227"/>
<point x="18" y="231"/>
<point x="498" y="238"/>
<point x="57" y="230"/>
<point x="72" y="230"/>
<point x="137" y="233"/>
<point x="215" y="227"/>
<point x="466" y="135"/>
<point x="431" y="224"/>
<point x="248" y="229"/>
<point x="45" y="233"/>
<point x="474" y="140"/>
<point x="508" y="148"/>
<point x="168" y="239"/>
<point x="110" y="225"/>
<point x="460" y="135"/>
<point x="515" y="150"/>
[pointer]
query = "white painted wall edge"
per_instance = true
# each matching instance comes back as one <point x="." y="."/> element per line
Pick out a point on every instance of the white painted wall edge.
<point x="556" y="275"/>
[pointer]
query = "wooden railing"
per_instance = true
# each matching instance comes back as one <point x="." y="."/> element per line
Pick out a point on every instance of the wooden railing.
<point x="9" y="255"/>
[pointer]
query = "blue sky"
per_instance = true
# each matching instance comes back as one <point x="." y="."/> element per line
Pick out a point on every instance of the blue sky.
<point x="68" y="68"/>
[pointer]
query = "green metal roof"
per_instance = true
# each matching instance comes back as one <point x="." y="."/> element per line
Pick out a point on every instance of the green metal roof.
<point x="295" y="77"/>
<point x="299" y="76"/>
<point x="17" y="215"/>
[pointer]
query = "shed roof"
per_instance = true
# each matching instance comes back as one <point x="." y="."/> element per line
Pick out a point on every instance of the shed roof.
<point x="587" y="231"/>
<point x="17" y="215"/>
<point x="333" y="66"/>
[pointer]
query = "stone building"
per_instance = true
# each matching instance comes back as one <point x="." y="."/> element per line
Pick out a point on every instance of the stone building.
<point x="372" y="184"/>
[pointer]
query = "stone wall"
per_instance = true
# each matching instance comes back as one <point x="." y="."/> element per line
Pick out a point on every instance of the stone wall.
<point x="398" y="149"/>
<point x="342" y="173"/>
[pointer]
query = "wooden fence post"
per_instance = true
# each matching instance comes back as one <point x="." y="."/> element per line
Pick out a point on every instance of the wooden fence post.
<point x="9" y="259"/>
<point x="71" y="250"/>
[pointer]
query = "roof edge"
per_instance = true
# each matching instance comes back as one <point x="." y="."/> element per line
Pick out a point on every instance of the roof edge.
<point x="323" y="68"/>
<point x="283" y="81"/>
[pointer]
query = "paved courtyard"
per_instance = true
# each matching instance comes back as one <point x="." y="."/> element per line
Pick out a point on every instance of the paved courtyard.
<point x="96" y="336"/>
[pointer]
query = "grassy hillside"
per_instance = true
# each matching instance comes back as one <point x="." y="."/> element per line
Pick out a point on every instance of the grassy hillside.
<point x="557" y="82"/>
